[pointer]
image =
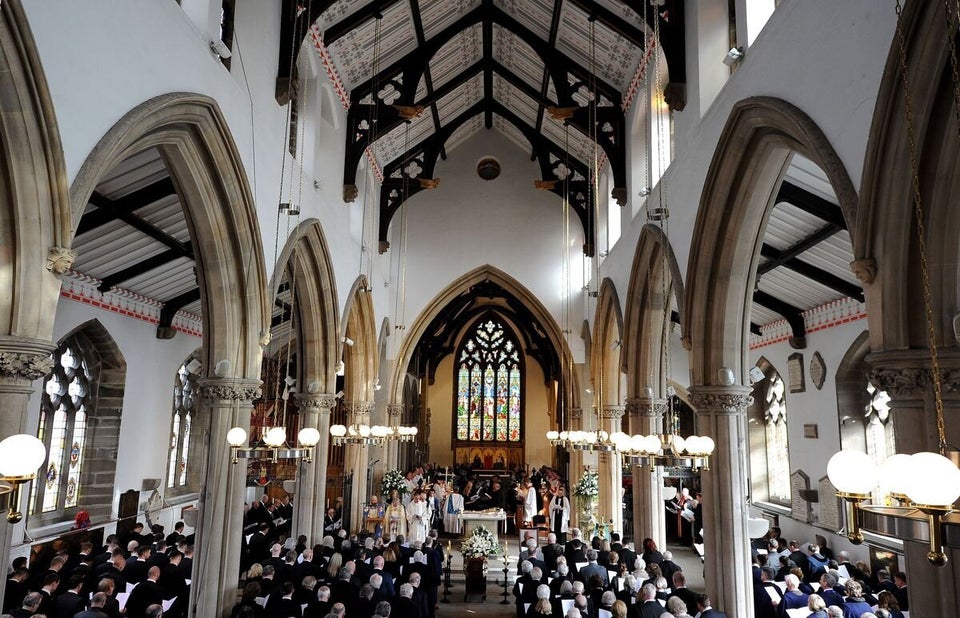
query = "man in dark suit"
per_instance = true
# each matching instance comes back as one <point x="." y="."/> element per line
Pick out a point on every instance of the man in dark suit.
<point x="51" y="581"/>
<point x="135" y="571"/>
<point x="16" y="589"/>
<point x="703" y="606"/>
<point x="111" y="607"/>
<point x="593" y="568"/>
<point x="284" y="606"/>
<point x="404" y="605"/>
<point x="647" y="606"/>
<point x="113" y="569"/>
<point x="680" y="590"/>
<point x="96" y="607"/>
<point x="72" y="601"/>
<point x="171" y="577"/>
<point x="147" y="593"/>
<point x="29" y="607"/>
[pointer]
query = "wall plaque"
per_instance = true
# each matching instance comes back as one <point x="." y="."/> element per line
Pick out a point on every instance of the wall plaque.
<point x="801" y="511"/>
<point x="818" y="370"/>
<point x="830" y="506"/>
<point x="795" y="372"/>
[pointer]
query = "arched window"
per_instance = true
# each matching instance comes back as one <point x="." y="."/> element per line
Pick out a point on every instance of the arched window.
<point x="64" y="406"/>
<point x="185" y="407"/>
<point x="80" y="405"/>
<point x="489" y="380"/>
<point x="767" y="430"/>
<point x="778" y="454"/>
<point x="881" y="442"/>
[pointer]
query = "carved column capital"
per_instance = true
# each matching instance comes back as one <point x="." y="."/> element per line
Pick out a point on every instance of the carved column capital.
<point x="24" y="360"/>
<point x="358" y="410"/>
<point x="322" y="402"/>
<point x="612" y="412"/>
<point x="394" y="411"/>
<point x="900" y="382"/>
<point x="575" y="413"/>
<point x="59" y="260"/>
<point x="865" y="269"/>
<point x="230" y="389"/>
<point x="647" y="407"/>
<point x="720" y="399"/>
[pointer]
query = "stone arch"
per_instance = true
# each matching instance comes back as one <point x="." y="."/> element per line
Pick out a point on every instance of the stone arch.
<point x="605" y="359"/>
<point x="102" y="434"/>
<point x="850" y="380"/>
<point x="654" y="270"/>
<point x="886" y="242"/>
<point x="753" y="151"/>
<point x="34" y="199"/>
<point x="306" y="252"/>
<point x="482" y="273"/>
<point x="194" y="140"/>
<point x="361" y="359"/>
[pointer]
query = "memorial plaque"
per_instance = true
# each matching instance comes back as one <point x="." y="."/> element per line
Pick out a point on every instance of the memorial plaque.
<point x="830" y="506"/>
<point x="795" y="372"/>
<point x="800" y="508"/>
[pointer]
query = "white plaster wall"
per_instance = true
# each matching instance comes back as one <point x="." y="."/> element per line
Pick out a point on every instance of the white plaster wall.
<point x="507" y="223"/>
<point x="814" y="407"/>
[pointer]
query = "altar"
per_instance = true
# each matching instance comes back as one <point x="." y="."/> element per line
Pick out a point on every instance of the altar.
<point x="491" y="519"/>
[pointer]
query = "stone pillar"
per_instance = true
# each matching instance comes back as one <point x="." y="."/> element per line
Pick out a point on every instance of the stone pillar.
<point x="721" y="414"/>
<point x="312" y="487"/>
<point x="645" y="417"/>
<point x="611" y="471"/>
<point x="22" y="362"/>
<point x="356" y="460"/>
<point x="906" y="377"/>
<point x="216" y="566"/>
<point x="392" y="455"/>
<point x="576" y="466"/>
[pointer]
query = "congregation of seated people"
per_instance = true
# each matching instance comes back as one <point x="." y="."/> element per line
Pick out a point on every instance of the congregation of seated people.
<point x="137" y="575"/>
<point x="806" y="576"/>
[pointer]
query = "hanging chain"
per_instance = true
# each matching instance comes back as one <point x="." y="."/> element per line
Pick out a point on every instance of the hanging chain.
<point x="921" y="235"/>
<point x="954" y="63"/>
<point x="566" y="266"/>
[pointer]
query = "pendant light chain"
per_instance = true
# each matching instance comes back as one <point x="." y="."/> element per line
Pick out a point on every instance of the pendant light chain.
<point x="921" y="234"/>
<point x="954" y="63"/>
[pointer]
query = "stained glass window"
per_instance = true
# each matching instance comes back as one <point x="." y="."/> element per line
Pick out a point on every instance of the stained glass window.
<point x="184" y="407"/>
<point x="778" y="455"/>
<point x="489" y="385"/>
<point x="62" y="428"/>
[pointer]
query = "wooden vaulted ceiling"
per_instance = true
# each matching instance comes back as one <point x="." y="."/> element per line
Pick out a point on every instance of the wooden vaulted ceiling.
<point x="448" y="68"/>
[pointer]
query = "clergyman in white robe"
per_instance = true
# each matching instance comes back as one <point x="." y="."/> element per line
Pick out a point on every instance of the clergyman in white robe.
<point x="452" y="507"/>
<point x="419" y="519"/>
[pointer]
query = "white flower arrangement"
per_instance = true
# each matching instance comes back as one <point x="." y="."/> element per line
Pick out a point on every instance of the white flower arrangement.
<point x="480" y="545"/>
<point x="393" y="480"/>
<point x="588" y="485"/>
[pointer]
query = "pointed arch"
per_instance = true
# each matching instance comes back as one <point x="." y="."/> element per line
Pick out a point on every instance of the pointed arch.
<point x="194" y="140"/>
<point x="606" y="367"/>
<point x="33" y="189"/>
<point x="478" y="275"/>
<point x="886" y="241"/>
<point x="308" y="256"/>
<point x="654" y="272"/>
<point x="753" y="151"/>
<point x="361" y="359"/>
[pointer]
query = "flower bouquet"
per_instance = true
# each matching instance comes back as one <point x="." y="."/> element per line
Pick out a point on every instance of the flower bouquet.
<point x="480" y="544"/>
<point x="393" y="480"/>
<point x="81" y="521"/>
<point x="588" y="486"/>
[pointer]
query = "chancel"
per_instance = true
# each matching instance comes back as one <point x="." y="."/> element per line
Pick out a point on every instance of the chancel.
<point x="348" y="307"/>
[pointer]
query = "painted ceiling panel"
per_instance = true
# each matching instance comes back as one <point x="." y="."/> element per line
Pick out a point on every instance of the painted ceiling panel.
<point x="613" y="58"/>
<point x="458" y="101"/>
<point x="353" y="52"/>
<point x="438" y="14"/>
<point x="534" y="14"/>
<point x="516" y="55"/>
<point x="460" y="53"/>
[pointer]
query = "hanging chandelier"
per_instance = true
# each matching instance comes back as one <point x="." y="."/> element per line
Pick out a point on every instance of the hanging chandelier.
<point x="376" y="435"/>
<point x="925" y="486"/>
<point x="272" y="444"/>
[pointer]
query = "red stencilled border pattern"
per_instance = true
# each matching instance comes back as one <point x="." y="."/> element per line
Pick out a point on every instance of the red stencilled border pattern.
<point x="639" y="75"/>
<point x="83" y="289"/>
<point x="836" y="313"/>
<point x="317" y="38"/>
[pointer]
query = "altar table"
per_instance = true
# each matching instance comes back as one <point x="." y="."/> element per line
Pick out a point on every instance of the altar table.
<point x="489" y="519"/>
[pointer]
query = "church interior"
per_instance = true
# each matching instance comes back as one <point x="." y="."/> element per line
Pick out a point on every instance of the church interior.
<point x="289" y="248"/>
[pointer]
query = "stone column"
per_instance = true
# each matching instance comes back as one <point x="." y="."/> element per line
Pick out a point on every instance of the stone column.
<point x="312" y="487"/>
<point x="721" y="414"/>
<point x="356" y="460"/>
<point x="216" y="567"/>
<point x="392" y="455"/>
<point x="906" y="377"/>
<point x="576" y="466"/>
<point x="645" y="417"/>
<point x="22" y="362"/>
<point x="611" y="471"/>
